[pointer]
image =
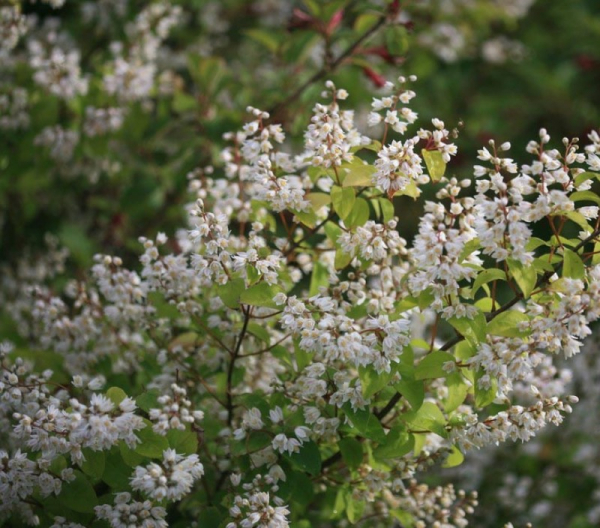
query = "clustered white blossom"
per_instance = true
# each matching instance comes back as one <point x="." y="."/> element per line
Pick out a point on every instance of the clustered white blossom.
<point x="171" y="480"/>
<point x="287" y="325"/>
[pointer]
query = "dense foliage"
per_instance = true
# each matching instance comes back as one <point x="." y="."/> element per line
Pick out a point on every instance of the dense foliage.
<point x="340" y="300"/>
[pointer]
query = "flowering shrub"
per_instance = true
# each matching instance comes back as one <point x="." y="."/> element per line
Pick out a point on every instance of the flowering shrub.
<point x="290" y="356"/>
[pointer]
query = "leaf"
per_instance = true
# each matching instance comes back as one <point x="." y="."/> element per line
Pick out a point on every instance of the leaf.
<point x="116" y="472"/>
<point x="525" y="276"/>
<point x="354" y="508"/>
<point x="116" y="395"/>
<point x="431" y="365"/>
<point x="260" y="294"/>
<point x="319" y="277"/>
<point x="371" y="381"/>
<point x="589" y="196"/>
<point x="584" y="176"/>
<point x="359" y="174"/>
<point x="352" y="452"/>
<point x="366" y="423"/>
<point x="397" y="444"/>
<point x="455" y="458"/>
<point x="148" y="400"/>
<point x="573" y="266"/>
<point x="579" y="219"/>
<point x="130" y="457"/>
<point x="308" y="458"/>
<point x="318" y="200"/>
<point x="210" y="517"/>
<point x="473" y="330"/>
<point x="483" y="397"/>
<point x="342" y="259"/>
<point x="396" y="40"/>
<point x="266" y="38"/>
<point x="359" y="214"/>
<point x="78" y="495"/>
<point x="342" y="200"/>
<point x="413" y="391"/>
<point x="436" y="166"/>
<point x="230" y="293"/>
<point x="387" y="209"/>
<point x="94" y="463"/>
<point x="457" y="391"/>
<point x="184" y="442"/>
<point x="151" y="444"/>
<point x="297" y="488"/>
<point x="507" y="323"/>
<point x="430" y="418"/>
<point x="470" y="247"/>
<point x="303" y="358"/>
<point x="486" y="276"/>
<point x="308" y="218"/>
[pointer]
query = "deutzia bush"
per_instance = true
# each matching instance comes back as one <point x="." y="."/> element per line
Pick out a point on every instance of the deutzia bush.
<point x="293" y="355"/>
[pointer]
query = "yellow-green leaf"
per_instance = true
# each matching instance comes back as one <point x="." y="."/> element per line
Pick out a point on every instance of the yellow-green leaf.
<point x="436" y="166"/>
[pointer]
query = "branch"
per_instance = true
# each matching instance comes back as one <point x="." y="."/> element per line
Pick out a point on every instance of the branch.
<point x="328" y="68"/>
<point x="230" y="369"/>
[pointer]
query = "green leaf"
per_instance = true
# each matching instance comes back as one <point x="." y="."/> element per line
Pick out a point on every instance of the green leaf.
<point x="130" y="457"/>
<point x="354" y="508"/>
<point x="342" y="200"/>
<point x="184" y="442"/>
<point x="319" y="277"/>
<point x="162" y="306"/>
<point x="359" y="174"/>
<point x="352" y="452"/>
<point x="455" y="458"/>
<point x="307" y="459"/>
<point x="260" y="294"/>
<point x="436" y="166"/>
<point x="584" y="176"/>
<point x="254" y="441"/>
<point x="371" y="381"/>
<point x="413" y="391"/>
<point x="507" y="323"/>
<point x="266" y="38"/>
<point x="470" y="247"/>
<point x="297" y="488"/>
<point x="387" y="209"/>
<point x="457" y="391"/>
<point x="151" y="444"/>
<point x="579" y="219"/>
<point x="366" y="423"/>
<point x="488" y="275"/>
<point x="396" y="40"/>
<point x="318" y="200"/>
<point x="94" y="463"/>
<point x="589" y="196"/>
<point x="303" y="358"/>
<point x="473" y="330"/>
<point x="210" y="517"/>
<point x="230" y="293"/>
<point x="116" y="472"/>
<point x="116" y="395"/>
<point x="359" y="214"/>
<point x="148" y="400"/>
<point x="483" y="397"/>
<point x="428" y="417"/>
<point x="431" y="365"/>
<point x="342" y="259"/>
<point x="308" y="218"/>
<point x="525" y="276"/>
<point x="397" y="444"/>
<point x="573" y="266"/>
<point x="78" y="495"/>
